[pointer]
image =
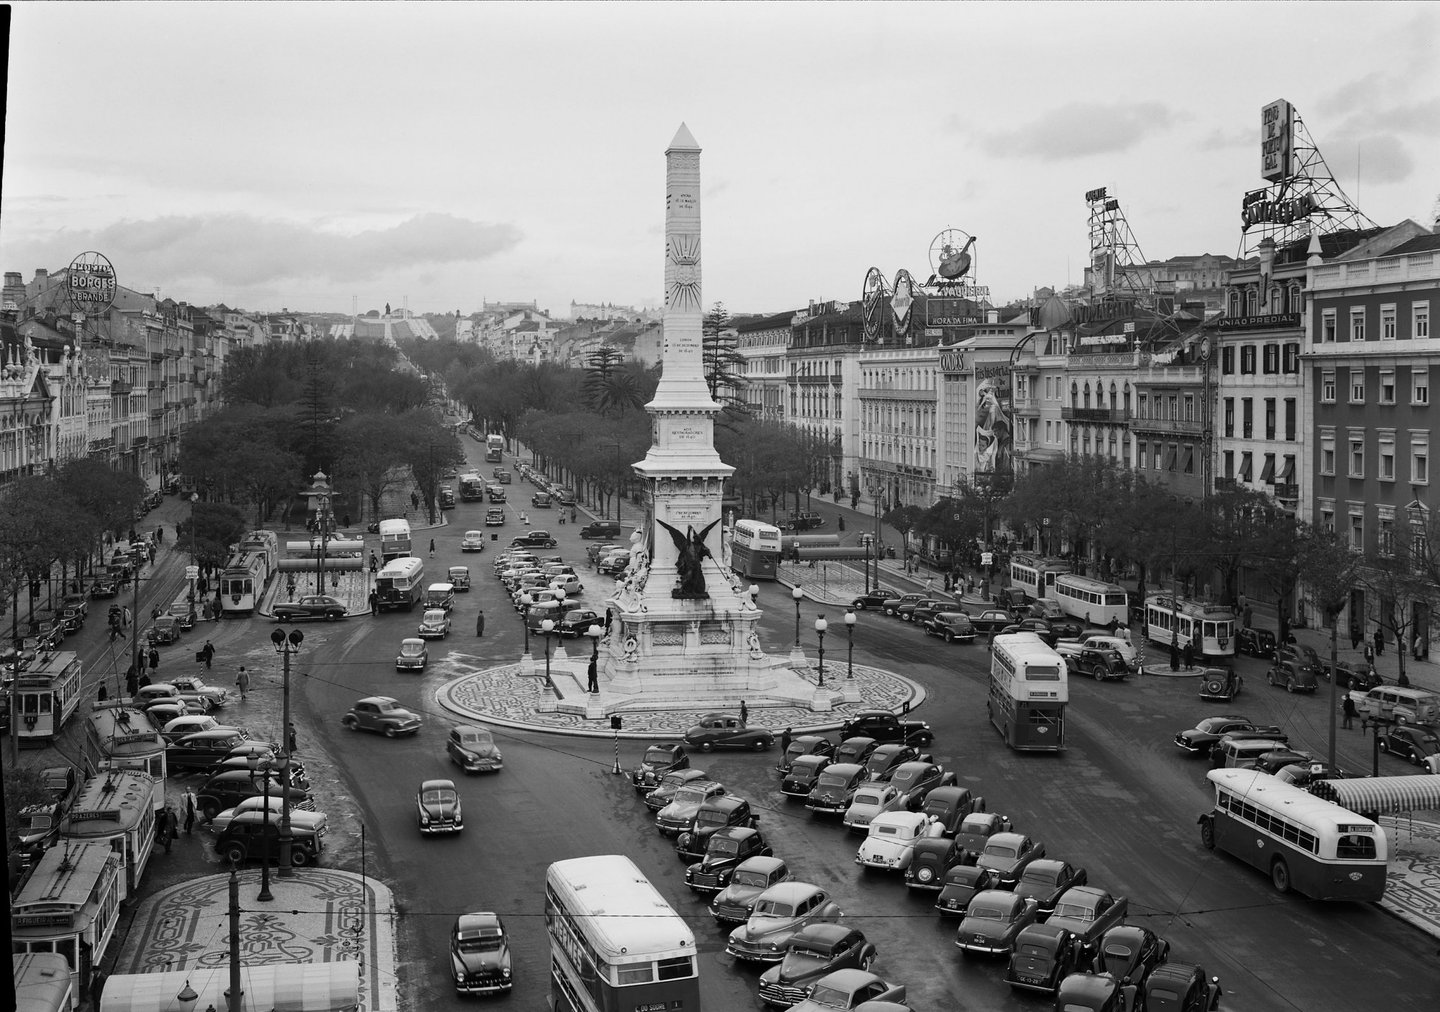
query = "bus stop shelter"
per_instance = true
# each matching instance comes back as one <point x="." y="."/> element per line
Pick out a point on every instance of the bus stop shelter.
<point x="268" y="987"/>
<point x="1382" y="795"/>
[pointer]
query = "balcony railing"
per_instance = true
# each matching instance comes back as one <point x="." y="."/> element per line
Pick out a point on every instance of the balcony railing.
<point x="1166" y="426"/>
<point x="1116" y="415"/>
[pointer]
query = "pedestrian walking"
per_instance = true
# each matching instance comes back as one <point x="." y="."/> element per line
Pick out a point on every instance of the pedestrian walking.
<point x="374" y="603"/>
<point x="207" y="654"/>
<point x="125" y="617"/>
<point x="292" y="743"/>
<point x="480" y="623"/>
<point x="594" y="678"/>
<point x="573" y="514"/>
<point x="1417" y="646"/>
<point x="189" y="811"/>
<point x="840" y="523"/>
<point x="414" y="501"/>
<point x="167" y="827"/>
<point x="217" y="609"/>
<point x="154" y="658"/>
<point x="242" y="682"/>
<point x="744" y="713"/>
<point x="132" y="683"/>
<point x="1174" y="656"/>
<point x="1189" y="655"/>
<point x="1347" y="707"/>
<point x="784" y="743"/>
<point x="101" y="694"/>
<point x="432" y="548"/>
<point x="160" y="535"/>
<point x="1354" y="638"/>
<point x="1369" y="653"/>
<point x="374" y="562"/>
<point x="205" y="610"/>
<point x="1379" y="642"/>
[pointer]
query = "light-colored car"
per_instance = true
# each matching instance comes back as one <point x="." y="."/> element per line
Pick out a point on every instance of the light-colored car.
<point x="434" y="624"/>
<point x="778" y="915"/>
<point x="569" y="583"/>
<point x="473" y="541"/>
<point x="314" y="821"/>
<point x="473" y="749"/>
<point x="178" y="728"/>
<point x="414" y="655"/>
<point x="892" y="839"/>
<point x="872" y="798"/>
<point x="187" y="685"/>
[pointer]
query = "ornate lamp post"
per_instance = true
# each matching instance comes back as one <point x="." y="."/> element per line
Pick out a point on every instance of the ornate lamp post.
<point x="525" y="602"/>
<point x="258" y="765"/>
<point x="820" y="626"/>
<point x="285" y="646"/>
<point x="850" y="635"/>
<point x="594" y="632"/>
<point x="547" y="627"/>
<point x="799" y="595"/>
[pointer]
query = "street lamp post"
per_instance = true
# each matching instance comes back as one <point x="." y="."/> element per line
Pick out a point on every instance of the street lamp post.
<point x="594" y="633"/>
<point x="799" y="595"/>
<point x="194" y="557"/>
<point x="286" y="646"/>
<point x="850" y="636"/>
<point x="546" y="627"/>
<point x="257" y="765"/>
<point x="525" y="602"/>
<point x="820" y="626"/>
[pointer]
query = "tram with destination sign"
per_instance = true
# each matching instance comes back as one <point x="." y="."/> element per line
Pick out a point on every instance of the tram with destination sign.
<point x="116" y="809"/>
<point x="1035" y="575"/>
<point x="119" y="737"/>
<point x="46" y="695"/>
<point x="242" y="584"/>
<point x="1207" y="627"/>
<point x="68" y="907"/>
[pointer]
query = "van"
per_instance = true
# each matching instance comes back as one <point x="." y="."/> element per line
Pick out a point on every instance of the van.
<point x="601" y="529"/>
<point x="1242" y="753"/>
<point x="440" y="595"/>
<point x="1407" y="706"/>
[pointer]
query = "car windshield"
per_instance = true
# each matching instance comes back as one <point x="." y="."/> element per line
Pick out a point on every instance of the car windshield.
<point x="437" y="797"/>
<point x="488" y="941"/>
<point x="833" y="780"/>
<point x="411" y="649"/>
<point x="750" y="878"/>
<point x="774" y="908"/>
<point x="1119" y="953"/>
<point x="389" y="708"/>
<point x="830" y="997"/>
<point x="905" y="778"/>
<point x="657" y="756"/>
<point x="884" y="830"/>
<point x="993" y="913"/>
<point x="687" y="796"/>
<point x="709" y="817"/>
<point x="965" y="876"/>
<point x="1000" y="850"/>
<point x="676" y="778"/>
<point x="724" y="848"/>
<point x="1073" y="910"/>
<point x="477" y="739"/>
<point x="1041" y="876"/>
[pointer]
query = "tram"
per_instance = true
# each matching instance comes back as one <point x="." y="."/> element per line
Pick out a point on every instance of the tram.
<point x="46" y="695"/>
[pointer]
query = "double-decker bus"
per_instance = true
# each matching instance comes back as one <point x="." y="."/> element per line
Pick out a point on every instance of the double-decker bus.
<point x="394" y="539"/>
<point x="1302" y="842"/>
<point x="1092" y="601"/>
<point x="68" y="907"/>
<point x="494" y="448"/>
<point x="401" y="583"/>
<point x="46" y="695"/>
<point x="472" y="487"/>
<point x="1036" y="575"/>
<point x="1028" y="693"/>
<point x="615" y="944"/>
<point x="1208" y="627"/>
<point x="755" y="549"/>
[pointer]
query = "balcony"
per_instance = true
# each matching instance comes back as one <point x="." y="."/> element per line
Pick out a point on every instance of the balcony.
<point x="119" y="387"/>
<point x="157" y="356"/>
<point x="1117" y="416"/>
<point x="1166" y="427"/>
<point x="156" y="414"/>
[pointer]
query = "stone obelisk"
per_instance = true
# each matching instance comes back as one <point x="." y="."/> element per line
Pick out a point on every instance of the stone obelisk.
<point x="686" y="630"/>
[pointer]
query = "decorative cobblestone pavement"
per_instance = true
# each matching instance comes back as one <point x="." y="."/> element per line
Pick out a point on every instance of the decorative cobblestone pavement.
<point x="1412" y="890"/>
<point x="504" y="695"/>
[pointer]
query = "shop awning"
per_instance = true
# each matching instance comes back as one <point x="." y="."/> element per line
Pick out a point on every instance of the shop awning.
<point x="1287" y="473"/>
<point x="1267" y="473"/>
<point x="282" y="987"/>
<point x="1382" y="795"/>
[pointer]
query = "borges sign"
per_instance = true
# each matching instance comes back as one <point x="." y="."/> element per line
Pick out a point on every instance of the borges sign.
<point x="91" y="282"/>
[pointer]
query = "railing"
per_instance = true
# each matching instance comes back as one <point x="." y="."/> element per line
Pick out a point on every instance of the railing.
<point x="1120" y="415"/>
<point x="1166" y="426"/>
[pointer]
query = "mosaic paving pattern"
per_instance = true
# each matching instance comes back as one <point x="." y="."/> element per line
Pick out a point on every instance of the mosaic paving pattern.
<point x="1412" y="889"/>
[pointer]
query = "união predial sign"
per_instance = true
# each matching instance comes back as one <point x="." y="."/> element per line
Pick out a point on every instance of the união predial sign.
<point x="91" y="280"/>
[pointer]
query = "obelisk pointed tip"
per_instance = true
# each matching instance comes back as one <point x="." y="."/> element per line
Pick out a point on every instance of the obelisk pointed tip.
<point x="684" y="140"/>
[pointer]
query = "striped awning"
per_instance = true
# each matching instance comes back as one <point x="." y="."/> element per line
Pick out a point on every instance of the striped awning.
<point x="283" y="987"/>
<point x="1382" y="795"/>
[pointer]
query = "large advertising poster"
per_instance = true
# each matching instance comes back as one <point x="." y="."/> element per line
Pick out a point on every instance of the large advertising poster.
<point x="994" y="422"/>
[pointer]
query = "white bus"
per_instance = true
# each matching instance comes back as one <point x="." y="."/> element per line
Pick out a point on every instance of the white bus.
<point x="1029" y="689"/>
<point x="1208" y="627"/>
<point x="1302" y="842"/>
<point x="401" y="583"/>
<point x="1036" y="575"/>
<point x="1092" y="601"/>
<point x="615" y="944"/>
<point x="755" y="549"/>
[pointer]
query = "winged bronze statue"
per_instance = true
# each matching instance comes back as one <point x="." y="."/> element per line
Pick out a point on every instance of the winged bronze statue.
<point x="690" y="552"/>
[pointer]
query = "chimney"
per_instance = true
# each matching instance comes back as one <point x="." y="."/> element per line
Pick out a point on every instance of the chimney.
<point x="14" y="288"/>
<point x="41" y="275"/>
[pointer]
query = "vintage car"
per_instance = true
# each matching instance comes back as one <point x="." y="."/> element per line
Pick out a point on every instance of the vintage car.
<point x="533" y="539"/>
<point x="659" y="759"/>
<point x="1009" y="853"/>
<point x="1044" y="955"/>
<point x="182" y="611"/>
<point x="1274" y="761"/>
<point x="883" y="726"/>
<point x="722" y="812"/>
<point x="190" y="685"/>
<point x="1047" y="880"/>
<point x="148" y="697"/>
<point x="203" y="750"/>
<point x="950" y="626"/>
<point x="106" y="585"/>
<point x="885" y="760"/>
<point x="855" y="749"/>
<point x="872" y="798"/>
<point x="1359" y="677"/>
<point x="892" y="605"/>
<point x="962" y="883"/>
<point x="813" y="953"/>
<point x="1220" y="684"/>
<point x="994" y="920"/>
<point x="540" y="500"/>
<point x="1100" y="663"/>
<point x="805" y="520"/>
<point x="459" y="578"/>
<point x="835" y="788"/>
<point x="725" y="849"/>
<point x="1097" y="641"/>
<point x="1292" y="676"/>
<point x="664" y="791"/>
<point x="849" y="990"/>
<point x="780" y="912"/>
<point x="276" y="806"/>
<point x="473" y="749"/>
<point x="381" y="714"/>
<point x="924" y="607"/>
<point x="163" y="629"/>
<point x="679" y="815"/>
<point x="1093" y="992"/>
<point x="228" y="789"/>
<point x="805" y="744"/>
<point x="162" y="712"/>
<point x="727" y="730"/>
<point x="473" y="541"/>
<point x="991" y="620"/>
<point x="251" y="764"/>
<point x="949" y="804"/>
<point x="932" y="858"/>
<point x="1255" y="642"/>
<point x="414" y="655"/>
<point x="752" y="877"/>
<point x="916" y="779"/>
<point x="890" y="845"/>
<point x="494" y="517"/>
<point x="578" y="621"/>
<point x="437" y="807"/>
<point x="1089" y="912"/>
<point x="480" y="954"/>
<point x="434" y="624"/>
<point x="873" y="598"/>
<point x="1301" y="653"/>
<point x="977" y="828"/>
<point x="803" y="775"/>
<point x="251" y="835"/>
<point x="189" y="723"/>
<point x="1201" y="738"/>
<point x="1180" y="987"/>
<point x="1410" y="743"/>
<point x="310" y="606"/>
<point x="1130" y="953"/>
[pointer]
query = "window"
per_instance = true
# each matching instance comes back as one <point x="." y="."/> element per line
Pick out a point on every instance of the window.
<point x="1327" y="386"/>
<point x="1227" y="465"/>
<point x="1327" y="327"/>
<point x="1227" y="360"/>
<point x="1269" y="418"/>
<point x="1357" y="325"/>
<point x="1229" y="416"/>
<point x="1387" y="456"/>
<point x="1189" y="407"/>
<point x="1245" y="465"/>
<point x="1142" y="406"/>
<point x="1140" y="453"/>
<point x="1420" y="460"/>
<point x="1387" y="322"/>
<point x="1357" y="385"/>
<point x="1247" y="417"/>
<point x="1327" y="518"/>
<point x="1385" y="539"/>
<point x="1247" y="359"/>
<point x="1271" y="362"/>
<point x="1419" y="384"/>
<point x="1387" y="386"/>
<point x="1357" y="455"/>
<point x="1291" y="355"/>
<point x="1357" y="532"/>
<point x="1420" y="321"/>
<point x="1187" y="459"/>
<point x="1290" y="419"/>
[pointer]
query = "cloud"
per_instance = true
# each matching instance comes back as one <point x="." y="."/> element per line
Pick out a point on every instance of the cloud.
<point x="1383" y="157"/>
<point x="245" y="250"/>
<point x="1079" y="129"/>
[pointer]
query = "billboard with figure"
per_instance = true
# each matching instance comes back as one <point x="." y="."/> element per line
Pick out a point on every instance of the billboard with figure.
<point x="994" y="422"/>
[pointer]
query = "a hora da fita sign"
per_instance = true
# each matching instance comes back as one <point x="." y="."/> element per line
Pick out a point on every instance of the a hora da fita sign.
<point x="91" y="283"/>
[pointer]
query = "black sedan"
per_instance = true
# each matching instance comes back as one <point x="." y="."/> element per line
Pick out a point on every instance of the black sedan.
<point x="1203" y="736"/>
<point x="1044" y="956"/>
<point x="950" y="626"/>
<point x="992" y="620"/>
<point x="310" y="606"/>
<point x="1412" y="744"/>
<point x="1047" y="880"/>
<point x="963" y="882"/>
<point x="1130" y="952"/>
<point x="806" y="744"/>
<point x="726" y="730"/>
<point x="873" y="598"/>
<point x="1048" y="633"/>
<point x="659" y="759"/>
<point x="917" y="611"/>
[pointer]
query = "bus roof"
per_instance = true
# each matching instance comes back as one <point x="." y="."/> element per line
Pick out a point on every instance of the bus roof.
<point x="394" y="526"/>
<point x="621" y="909"/>
<point x="1209" y="609"/>
<point x="406" y="565"/>
<point x="1268" y="792"/>
<point x="1024" y="646"/>
<point x="757" y="526"/>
